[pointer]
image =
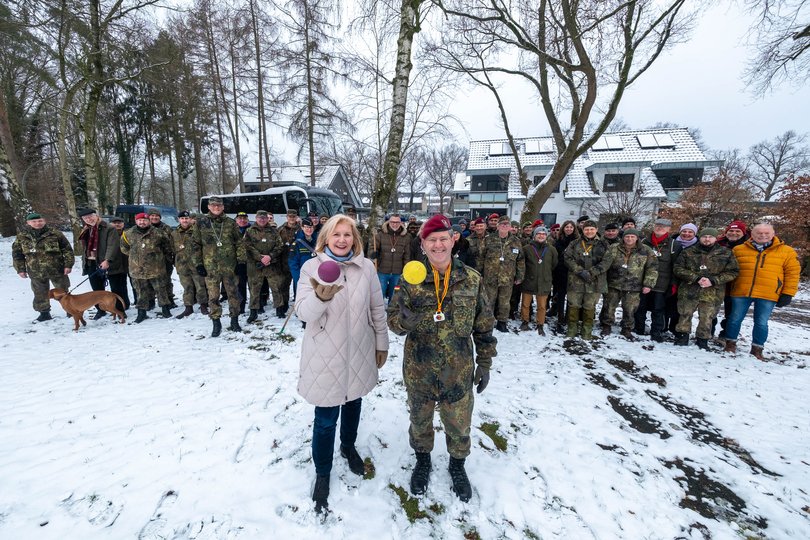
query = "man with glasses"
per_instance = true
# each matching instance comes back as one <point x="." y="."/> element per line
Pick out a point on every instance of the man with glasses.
<point x="391" y="249"/>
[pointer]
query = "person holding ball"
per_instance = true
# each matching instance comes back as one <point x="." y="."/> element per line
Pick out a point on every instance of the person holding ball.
<point x="442" y="309"/>
<point x="345" y="343"/>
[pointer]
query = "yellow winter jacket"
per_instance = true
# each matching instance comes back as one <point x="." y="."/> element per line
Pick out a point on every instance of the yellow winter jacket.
<point x="766" y="274"/>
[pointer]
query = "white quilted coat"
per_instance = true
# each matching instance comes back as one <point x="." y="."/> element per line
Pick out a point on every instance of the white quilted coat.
<point x="337" y="356"/>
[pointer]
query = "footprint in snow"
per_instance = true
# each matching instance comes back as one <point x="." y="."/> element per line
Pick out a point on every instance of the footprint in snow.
<point x="156" y="527"/>
<point x="95" y="509"/>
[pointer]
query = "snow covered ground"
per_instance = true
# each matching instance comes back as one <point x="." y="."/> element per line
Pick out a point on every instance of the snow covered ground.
<point x="156" y="431"/>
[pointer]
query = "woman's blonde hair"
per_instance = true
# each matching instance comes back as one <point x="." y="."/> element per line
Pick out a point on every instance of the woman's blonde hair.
<point x="329" y="227"/>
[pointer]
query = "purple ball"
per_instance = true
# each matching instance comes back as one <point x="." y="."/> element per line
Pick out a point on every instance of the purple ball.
<point x="329" y="271"/>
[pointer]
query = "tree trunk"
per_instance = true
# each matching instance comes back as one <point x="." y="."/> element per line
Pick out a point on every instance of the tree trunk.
<point x="216" y="80"/>
<point x="11" y="177"/>
<point x="235" y="127"/>
<point x="264" y="152"/>
<point x="386" y="186"/>
<point x="310" y="101"/>
<point x="64" y="171"/>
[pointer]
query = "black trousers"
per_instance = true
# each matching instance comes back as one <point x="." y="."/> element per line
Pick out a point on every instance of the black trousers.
<point x="656" y="303"/>
<point x="118" y="285"/>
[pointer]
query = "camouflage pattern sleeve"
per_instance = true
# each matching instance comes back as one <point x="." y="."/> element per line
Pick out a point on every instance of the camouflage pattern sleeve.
<point x="241" y="254"/>
<point x="650" y="270"/>
<point x="485" y="342"/>
<point x="682" y="269"/>
<point x="18" y="257"/>
<point x="606" y="262"/>
<point x="393" y="310"/>
<point x="570" y="258"/>
<point x="252" y="254"/>
<point x="125" y="243"/>
<point x="196" y="245"/>
<point x="730" y="270"/>
<point x="67" y="251"/>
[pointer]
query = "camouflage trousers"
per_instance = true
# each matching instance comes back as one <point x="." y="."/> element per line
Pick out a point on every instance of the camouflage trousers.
<point x="500" y="296"/>
<point x="274" y="278"/>
<point x="229" y="281"/>
<point x="707" y="310"/>
<point x="629" y="301"/>
<point x="194" y="289"/>
<point x="583" y="300"/>
<point x="147" y="288"/>
<point x="456" y="418"/>
<point x="41" y="288"/>
<point x="168" y="284"/>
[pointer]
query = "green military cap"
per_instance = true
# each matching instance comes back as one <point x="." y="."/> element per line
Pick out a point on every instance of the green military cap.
<point x="262" y="213"/>
<point x="153" y="212"/>
<point x="33" y="215"/>
<point x="292" y="212"/>
<point x="708" y="231"/>
<point x="632" y="231"/>
<point x="215" y="200"/>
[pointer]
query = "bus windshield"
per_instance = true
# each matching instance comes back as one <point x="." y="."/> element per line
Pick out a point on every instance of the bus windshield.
<point x="325" y="204"/>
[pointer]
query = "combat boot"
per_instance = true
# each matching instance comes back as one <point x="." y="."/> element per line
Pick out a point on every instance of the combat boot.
<point x="461" y="484"/>
<point x="756" y="352"/>
<point x="540" y="330"/>
<point x="702" y="343"/>
<point x="628" y="334"/>
<point x="254" y="314"/>
<point x="587" y="323"/>
<point x="356" y="464"/>
<point x="45" y="316"/>
<point x="217" y="328"/>
<point x="524" y="326"/>
<point x="500" y="326"/>
<point x="321" y="493"/>
<point x="165" y="312"/>
<point x="204" y="309"/>
<point x="657" y="337"/>
<point x="605" y="330"/>
<point x="281" y="312"/>
<point x="186" y="312"/>
<point x="420" y="477"/>
<point x="141" y="316"/>
<point x="573" y="320"/>
<point x="681" y="339"/>
<point x="99" y="314"/>
<point x="234" y="327"/>
<point x="731" y="346"/>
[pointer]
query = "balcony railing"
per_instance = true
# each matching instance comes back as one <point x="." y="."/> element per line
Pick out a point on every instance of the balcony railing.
<point x="486" y="197"/>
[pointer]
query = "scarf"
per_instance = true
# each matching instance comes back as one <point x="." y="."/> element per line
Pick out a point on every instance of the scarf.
<point x="686" y="244"/>
<point x="91" y="249"/>
<point x="655" y="240"/>
<point x="337" y="257"/>
<point x="762" y="247"/>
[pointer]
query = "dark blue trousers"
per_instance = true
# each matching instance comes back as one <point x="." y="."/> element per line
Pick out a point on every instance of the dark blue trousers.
<point x="323" y="432"/>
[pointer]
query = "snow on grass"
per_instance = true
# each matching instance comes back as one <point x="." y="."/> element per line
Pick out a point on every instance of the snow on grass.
<point x="158" y="431"/>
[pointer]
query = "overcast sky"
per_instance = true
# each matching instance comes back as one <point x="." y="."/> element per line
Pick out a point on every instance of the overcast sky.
<point x="697" y="84"/>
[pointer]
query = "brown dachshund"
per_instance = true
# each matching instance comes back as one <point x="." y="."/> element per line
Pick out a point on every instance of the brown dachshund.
<point x="76" y="304"/>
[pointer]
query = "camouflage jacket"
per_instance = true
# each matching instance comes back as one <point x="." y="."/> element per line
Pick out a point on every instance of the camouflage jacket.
<point x="217" y="244"/>
<point x="502" y="262"/>
<point x="632" y="268"/>
<point x="438" y="360"/>
<point x="261" y="241"/>
<point x="148" y="250"/>
<point x="182" y="242"/>
<point x="476" y="248"/>
<point x="591" y="255"/>
<point x="717" y="263"/>
<point x="42" y="254"/>
<point x="287" y="234"/>
<point x="539" y="275"/>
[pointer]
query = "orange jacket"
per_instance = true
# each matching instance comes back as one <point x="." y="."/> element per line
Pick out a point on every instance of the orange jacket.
<point x="766" y="274"/>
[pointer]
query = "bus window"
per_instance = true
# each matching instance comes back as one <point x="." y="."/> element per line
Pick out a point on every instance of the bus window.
<point x="296" y="200"/>
<point x="273" y="204"/>
<point x="325" y="205"/>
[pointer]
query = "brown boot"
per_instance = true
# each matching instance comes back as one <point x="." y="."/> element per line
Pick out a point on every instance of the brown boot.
<point x="204" y="309"/>
<point x="756" y="352"/>
<point x="605" y="330"/>
<point x="186" y="312"/>
<point x="731" y="346"/>
<point x="524" y="326"/>
<point x="628" y="334"/>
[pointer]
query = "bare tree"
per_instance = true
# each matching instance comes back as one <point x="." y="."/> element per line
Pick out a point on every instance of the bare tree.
<point x="780" y="36"/>
<point x="713" y="203"/>
<point x="412" y="175"/>
<point x="441" y="167"/>
<point x="578" y="56"/>
<point x="615" y="205"/>
<point x="773" y="162"/>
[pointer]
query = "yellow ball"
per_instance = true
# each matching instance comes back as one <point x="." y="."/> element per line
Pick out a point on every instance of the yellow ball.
<point x="414" y="272"/>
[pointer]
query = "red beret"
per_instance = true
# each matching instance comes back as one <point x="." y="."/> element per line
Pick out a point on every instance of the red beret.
<point x="476" y="221"/>
<point x="437" y="223"/>
<point x="494" y="216"/>
<point x="555" y="226"/>
<point x="142" y="215"/>
<point x="538" y="222"/>
<point x="737" y="224"/>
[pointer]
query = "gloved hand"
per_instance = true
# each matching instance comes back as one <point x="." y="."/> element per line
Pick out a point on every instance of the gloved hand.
<point x="259" y="266"/>
<point x="481" y="378"/>
<point x="381" y="357"/>
<point x="407" y="319"/>
<point x="784" y="300"/>
<point x="241" y="268"/>
<point x="324" y="292"/>
<point x="584" y="275"/>
<point x="201" y="271"/>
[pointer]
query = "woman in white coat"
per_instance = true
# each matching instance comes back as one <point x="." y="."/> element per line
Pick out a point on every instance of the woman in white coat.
<point x="345" y="344"/>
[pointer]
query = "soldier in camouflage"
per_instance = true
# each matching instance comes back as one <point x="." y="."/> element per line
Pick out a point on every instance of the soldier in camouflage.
<point x="264" y="249"/>
<point x="194" y="290"/>
<point x="503" y="268"/>
<point x="156" y="220"/>
<point x="587" y="260"/>
<point x="216" y="250"/>
<point x="148" y="248"/>
<point x="703" y="271"/>
<point x="439" y="317"/>
<point x="634" y="270"/>
<point x="287" y="232"/>
<point x="476" y="240"/>
<point x="43" y="255"/>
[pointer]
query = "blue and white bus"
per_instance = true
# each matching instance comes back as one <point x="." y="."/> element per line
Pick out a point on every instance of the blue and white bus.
<point x="277" y="200"/>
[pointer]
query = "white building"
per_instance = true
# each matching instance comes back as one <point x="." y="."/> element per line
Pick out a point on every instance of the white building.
<point x="651" y="165"/>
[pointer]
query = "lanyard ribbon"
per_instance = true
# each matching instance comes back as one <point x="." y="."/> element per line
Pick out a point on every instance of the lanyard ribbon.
<point x="439" y="299"/>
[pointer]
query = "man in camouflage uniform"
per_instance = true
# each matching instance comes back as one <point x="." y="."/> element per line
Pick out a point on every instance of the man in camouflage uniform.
<point x="194" y="290"/>
<point x="634" y="270"/>
<point x="587" y="261"/>
<point x="156" y="220"/>
<point x="148" y="248"/>
<point x="438" y="355"/>
<point x="287" y="233"/>
<point x="264" y="249"/>
<point x="216" y="250"/>
<point x="476" y="240"/>
<point x="503" y="268"/>
<point x="611" y="234"/>
<point x="42" y="254"/>
<point x="703" y="271"/>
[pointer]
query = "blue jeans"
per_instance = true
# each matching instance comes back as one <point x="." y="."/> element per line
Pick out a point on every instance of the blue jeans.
<point x="323" y="432"/>
<point x="762" y="312"/>
<point x="387" y="283"/>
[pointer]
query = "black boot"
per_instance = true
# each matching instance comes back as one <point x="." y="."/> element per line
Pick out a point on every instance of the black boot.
<point x="186" y="312"/>
<point x="254" y="314"/>
<point x="321" y="493"/>
<point x="165" y="312"/>
<point x="204" y="309"/>
<point x="45" y="316"/>
<point x="151" y="304"/>
<point x="420" y="477"/>
<point x="657" y="337"/>
<point x="99" y="314"/>
<point x="234" y="327"/>
<point x="461" y="484"/>
<point x="356" y="464"/>
<point x="500" y="326"/>
<point x="217" y="328"/>
<point x="281" y="312"/>
<point x="681" y="339"/>
<point x="703" y="343"/>
<point x="141" y="316"/>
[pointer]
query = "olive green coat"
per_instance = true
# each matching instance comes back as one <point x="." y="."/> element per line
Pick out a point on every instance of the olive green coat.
<point x="42" y="254"/>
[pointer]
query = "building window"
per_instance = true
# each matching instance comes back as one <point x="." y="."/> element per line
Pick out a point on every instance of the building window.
<point x="490" y="182"/>
<point x="618" y="182"/>
<point x="678" y="178"/>
<point x="537" y="179"/>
